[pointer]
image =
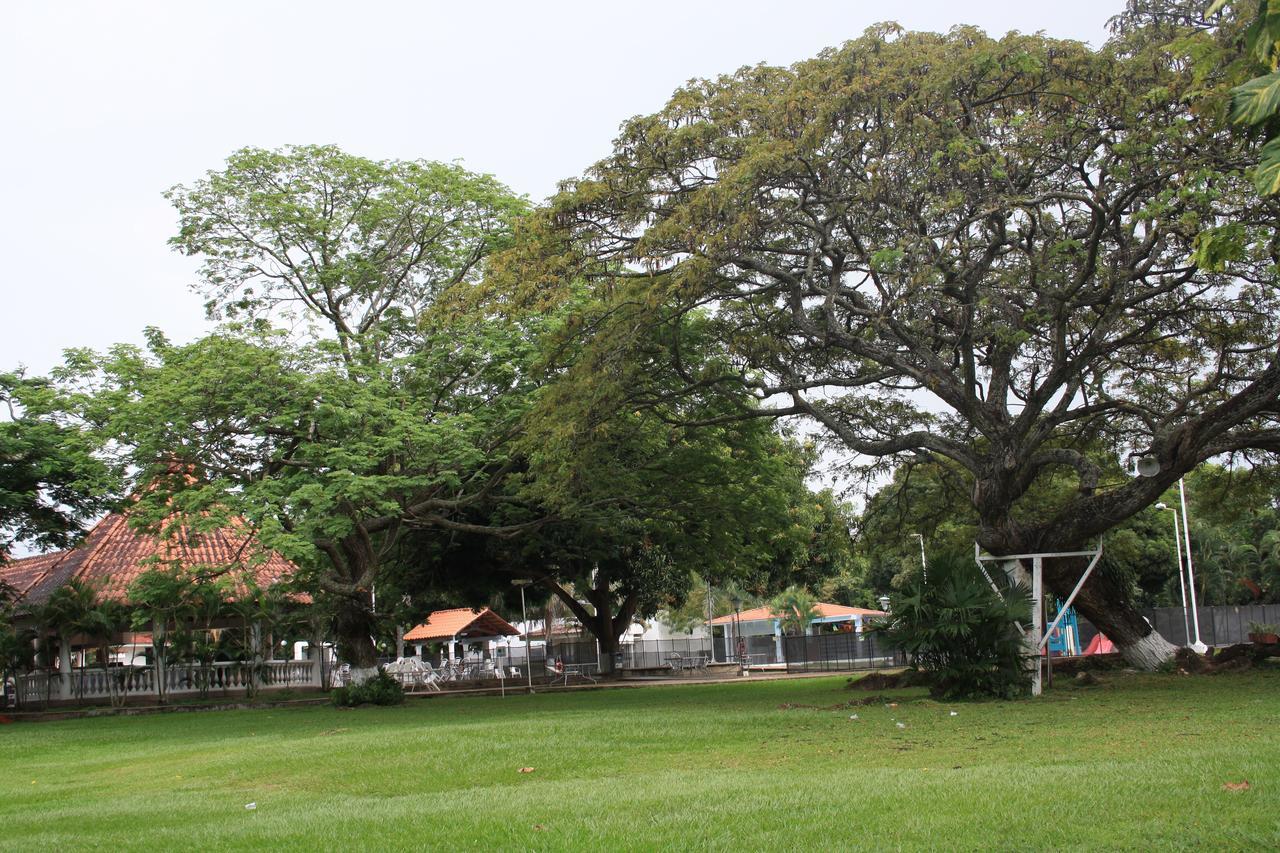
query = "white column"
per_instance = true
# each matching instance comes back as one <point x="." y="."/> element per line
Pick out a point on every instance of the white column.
<point x="64" y="666"/>
<point x="1037" y="596"/>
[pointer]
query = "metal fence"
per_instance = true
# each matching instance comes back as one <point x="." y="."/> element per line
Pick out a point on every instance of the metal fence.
<point x="839" y="652"/>
<point x="663" y="654"/>
<point x="761" y="650"/>
<point x="1220" y="624"/>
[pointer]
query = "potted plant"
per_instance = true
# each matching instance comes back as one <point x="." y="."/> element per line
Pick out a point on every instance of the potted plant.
<point x="1264" y="634"/>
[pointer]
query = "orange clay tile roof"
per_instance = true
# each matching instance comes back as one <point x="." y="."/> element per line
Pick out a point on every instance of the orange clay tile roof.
<point x="461" y="622"/>
<point x="114" y="554"/>
<point x="22" y="574"/>
<point x="823" y="610"/>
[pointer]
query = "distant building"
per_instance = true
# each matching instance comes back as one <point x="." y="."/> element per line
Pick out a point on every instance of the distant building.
<point x="762" y="621"/>
<point x="109" y="560"/>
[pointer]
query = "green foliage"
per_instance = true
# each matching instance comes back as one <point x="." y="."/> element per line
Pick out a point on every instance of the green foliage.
<point x="383" y="409"/>
<point x="961" y="632"/>
<point x="366" y="245"/>
<point x="939" y="248"/>
<point x="53" y="479"/>
<point x="381" y="689"/>
<point x="1256" y="102"/>
<point x="794" y="609"/>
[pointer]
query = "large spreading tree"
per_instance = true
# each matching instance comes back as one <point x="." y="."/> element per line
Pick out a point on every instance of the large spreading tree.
<point x="1019" y="256"/>
<point x="341" y="405"/>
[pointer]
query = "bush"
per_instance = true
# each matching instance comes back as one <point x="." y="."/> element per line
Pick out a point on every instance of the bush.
<point x="961" y="632"/>
<point x="382" y="689"/>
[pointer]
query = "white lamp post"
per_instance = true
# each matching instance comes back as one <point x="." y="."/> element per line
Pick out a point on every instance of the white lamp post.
<point x="1149" y="466"/>
<point x="1198" y="645"/>
<point x="524" y="618"/>
<point x="924" y="566"/>
<point x="1182" y="585"/>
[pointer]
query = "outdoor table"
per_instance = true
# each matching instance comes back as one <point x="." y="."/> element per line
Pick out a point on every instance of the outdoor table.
<point x="581" y="670"/>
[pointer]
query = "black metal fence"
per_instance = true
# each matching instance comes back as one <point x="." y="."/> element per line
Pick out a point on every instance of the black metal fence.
<point x="664" y="654"/>
<point x="839" y="652"/>
<point x="760" y="649"/>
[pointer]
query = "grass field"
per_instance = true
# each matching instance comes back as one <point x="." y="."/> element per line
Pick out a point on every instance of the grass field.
<point x="1137" y="762"/>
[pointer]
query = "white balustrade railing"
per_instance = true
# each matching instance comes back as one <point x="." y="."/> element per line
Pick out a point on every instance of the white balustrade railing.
<point x="179" y="678"/>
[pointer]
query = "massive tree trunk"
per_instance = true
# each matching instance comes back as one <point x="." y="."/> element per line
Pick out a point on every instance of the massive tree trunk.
<point x="1104" y="600"/>
<point x="352" y="572"/>
<point x="606" y="625"/>
<point x="353" y="628"/>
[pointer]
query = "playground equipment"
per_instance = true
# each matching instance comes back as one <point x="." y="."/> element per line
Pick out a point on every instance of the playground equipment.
<point x="1013" y="567"/>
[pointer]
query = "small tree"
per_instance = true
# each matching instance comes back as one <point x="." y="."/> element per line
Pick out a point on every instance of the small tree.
<point x="68" y="612"/>
<point x="16" y="653"/>
<point x="162" y="602"/>
<point x="795" y="609"/>
<point x="961" y="632"/>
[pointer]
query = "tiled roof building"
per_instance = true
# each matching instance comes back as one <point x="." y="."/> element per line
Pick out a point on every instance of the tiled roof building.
<point x="114" y="554"/>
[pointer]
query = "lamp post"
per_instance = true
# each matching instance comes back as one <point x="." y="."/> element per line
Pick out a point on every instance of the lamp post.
<point x="1177" y="549"/>
<point x="1146" y="465"/>
<point x="736" y="600"/>
<point x="924" y="566"/>
<point x="1198" y="645"/>
<point x="524" y="618"/>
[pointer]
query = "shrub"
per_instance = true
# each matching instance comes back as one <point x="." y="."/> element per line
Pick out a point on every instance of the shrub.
<point x="381" y="689"/>
<point x="961" y="632"/>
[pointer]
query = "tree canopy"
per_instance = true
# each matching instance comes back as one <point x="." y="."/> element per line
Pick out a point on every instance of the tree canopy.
<point x="53" y="478"/>
<point x="377" y="410"/>
<point x="1017" y="255"/>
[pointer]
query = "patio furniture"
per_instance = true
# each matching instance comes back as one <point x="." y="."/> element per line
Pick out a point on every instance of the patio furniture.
<point x="562" y="672"/>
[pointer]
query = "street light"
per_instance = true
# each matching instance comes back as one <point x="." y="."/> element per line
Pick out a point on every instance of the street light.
<point x="1198" y="645"/>
<point x="1147" y="465"/>
<point x="735" y="598"/>
<point x="528" y="653"/>
<point x="1177" y="549"/>
<point x="924" y="567"/>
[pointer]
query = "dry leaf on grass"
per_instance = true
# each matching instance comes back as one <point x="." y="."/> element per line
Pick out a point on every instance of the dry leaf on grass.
<point x="526" y="769"/>
<point x="1236" y="786"/>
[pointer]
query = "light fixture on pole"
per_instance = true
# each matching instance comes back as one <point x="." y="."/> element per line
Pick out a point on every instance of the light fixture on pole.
<point x="1147" y="465"/>
<point x="735" y="600"/>
<point x="524" y="618"/>
<point x="1182" y="585"/>
<point x="924" y="566"/>
<point x="1198" y="645"/>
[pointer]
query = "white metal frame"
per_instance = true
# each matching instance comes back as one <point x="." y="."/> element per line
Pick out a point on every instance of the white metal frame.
<point x="1036" y="636"/>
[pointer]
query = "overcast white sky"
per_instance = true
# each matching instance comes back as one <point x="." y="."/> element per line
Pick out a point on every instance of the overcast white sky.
<point x="105" y="105"/>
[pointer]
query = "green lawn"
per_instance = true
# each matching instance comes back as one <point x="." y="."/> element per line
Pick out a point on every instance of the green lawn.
<point x="1138" y="762"/>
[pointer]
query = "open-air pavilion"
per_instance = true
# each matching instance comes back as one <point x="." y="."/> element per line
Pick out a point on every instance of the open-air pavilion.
<point x="460" y="626"/>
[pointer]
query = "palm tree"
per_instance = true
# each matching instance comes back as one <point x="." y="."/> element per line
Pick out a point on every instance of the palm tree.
<point x="795" y="610"/>
<point x="67" y="613"/>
